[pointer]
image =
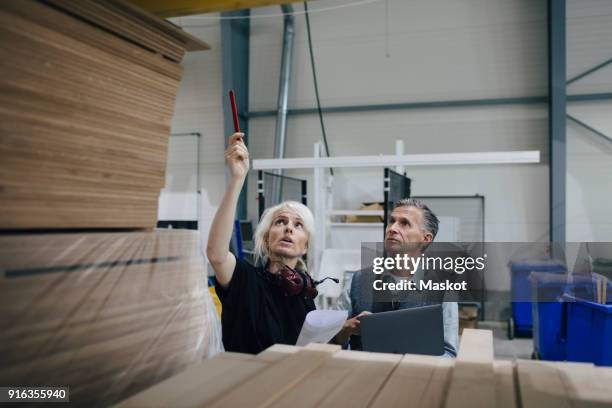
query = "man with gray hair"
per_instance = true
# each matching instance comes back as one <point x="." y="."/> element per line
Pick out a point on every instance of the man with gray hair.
<point x="411" y="228"/>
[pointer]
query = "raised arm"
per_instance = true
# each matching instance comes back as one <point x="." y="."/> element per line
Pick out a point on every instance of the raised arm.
<point x="220" y="234"/>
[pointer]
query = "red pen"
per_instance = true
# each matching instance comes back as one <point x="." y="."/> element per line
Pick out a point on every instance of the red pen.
<point x="232" y="96"/>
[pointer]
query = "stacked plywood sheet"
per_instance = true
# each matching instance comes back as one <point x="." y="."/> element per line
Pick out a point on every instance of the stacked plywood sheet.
<point x="87" y="92"/>
<point x="325" y="376"/>
<point x="107" y="314"/>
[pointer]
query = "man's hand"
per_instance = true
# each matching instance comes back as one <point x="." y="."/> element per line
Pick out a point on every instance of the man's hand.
<point x="237" y="157"/>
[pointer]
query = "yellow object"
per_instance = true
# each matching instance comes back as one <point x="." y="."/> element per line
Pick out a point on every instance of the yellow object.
<point x="216" y="300"/>
<point x="175" y="8"/>
<point x="367" y="218"/>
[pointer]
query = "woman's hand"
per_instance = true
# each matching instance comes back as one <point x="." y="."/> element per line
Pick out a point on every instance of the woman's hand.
<point x="351" y="327"/>
<point x="237" y="157"/>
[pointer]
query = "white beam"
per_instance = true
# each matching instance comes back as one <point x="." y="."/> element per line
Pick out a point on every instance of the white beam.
<point x="437" y="159"/>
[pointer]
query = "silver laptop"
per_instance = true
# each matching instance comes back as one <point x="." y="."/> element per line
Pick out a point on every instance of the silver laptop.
<point x="417" y="330"/>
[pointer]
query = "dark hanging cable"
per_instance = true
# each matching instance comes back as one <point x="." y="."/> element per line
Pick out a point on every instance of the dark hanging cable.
<point x="316" y="86"/>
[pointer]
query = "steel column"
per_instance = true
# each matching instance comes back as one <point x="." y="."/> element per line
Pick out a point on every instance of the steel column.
<point x="556" y="118"/>
<point x="235" y="35"/>
<point x="280" y="134"/>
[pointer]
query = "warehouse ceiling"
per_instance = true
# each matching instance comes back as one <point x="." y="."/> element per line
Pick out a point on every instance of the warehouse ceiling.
<point x="175" y="8"/>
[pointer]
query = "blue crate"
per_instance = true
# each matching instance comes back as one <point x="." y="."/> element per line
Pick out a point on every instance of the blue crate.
<point x="523" y="321"/>
<point x="549" y="315"/>
<point x="589" y="331"/>
<point x="549" y="337"/>
<point x="522" y="292"/>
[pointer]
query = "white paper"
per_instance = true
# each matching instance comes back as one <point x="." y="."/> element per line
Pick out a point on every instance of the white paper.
<point x="320" y="326"/>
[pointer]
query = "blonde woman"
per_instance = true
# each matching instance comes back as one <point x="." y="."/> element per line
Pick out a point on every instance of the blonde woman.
<point x="262" y="305"/>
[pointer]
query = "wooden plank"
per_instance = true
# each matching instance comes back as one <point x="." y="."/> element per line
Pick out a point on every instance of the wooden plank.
<point x="53" y="43"/>
<point x="120" y="24"/>
<point x="79" y="312"/>
<point x="97" y="178"/>
<point x="221" y="385"/>
<point x="476" y="347"/>
<point x="277" y="352"/>
<point x="324" y="380"/>
<point x="106" y="359"/>
<point x="40" y="135"/>
<point x="138" y="378"/>
<point x="100" y="282"/>
<point x="182" y="343"/>
<point x="505" y="387"/>
<point x="79" y="298"/>
<point x="75" y="211"/>
<point x="541" y="385"/>
<point x="197" y="379"/>
<point x="97" y="38"/>
<point x="122" y="72"/>
<point x="191" y="42"/>
<point x="68" y="335"/>
<point x="587" y="386"/>
<point x="422" y="380"/>
<point x="273" y="382"/>
<point x="70" y="318"/>
<point x="364" y="375"/>
<point x="20" y="251"/>
<point x="87" y="89"/>
<point x="473" y="380"/>
<point x="362" y="384"/>
<point x="45" y="110"/>
<point x="437" y="389"/>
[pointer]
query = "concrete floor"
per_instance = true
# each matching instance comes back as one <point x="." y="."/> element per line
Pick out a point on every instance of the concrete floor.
<point x="503" y="348"/>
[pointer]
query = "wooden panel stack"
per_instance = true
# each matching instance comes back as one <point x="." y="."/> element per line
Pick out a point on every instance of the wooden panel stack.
<point x="323" y="375"/>
<point x="107" y="314"/>
<point x="87" y="92"/>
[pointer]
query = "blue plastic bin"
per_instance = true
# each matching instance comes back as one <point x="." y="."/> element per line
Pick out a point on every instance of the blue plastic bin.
<point x="549" y="315"/>
<point x="522" y="292"/>
<point x="589" y="331"/>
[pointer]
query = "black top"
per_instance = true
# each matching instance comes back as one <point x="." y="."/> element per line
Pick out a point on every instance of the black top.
<point x="256" y="313"/>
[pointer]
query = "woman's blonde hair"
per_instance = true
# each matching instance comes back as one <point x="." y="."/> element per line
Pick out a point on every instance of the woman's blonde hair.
<point x="260" y="247"/>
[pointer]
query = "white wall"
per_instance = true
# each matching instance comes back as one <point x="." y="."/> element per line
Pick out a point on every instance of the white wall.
<point x="438" y="50"/>
<point x="589" y="157"/>
<point x="179" y="198"/>
<point x="198" y="109"/>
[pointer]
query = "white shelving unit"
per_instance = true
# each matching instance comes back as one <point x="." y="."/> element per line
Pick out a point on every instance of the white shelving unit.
<point x="356" y="212"/>
<point x="321" y="202"/>
<point x="355" y="224"/>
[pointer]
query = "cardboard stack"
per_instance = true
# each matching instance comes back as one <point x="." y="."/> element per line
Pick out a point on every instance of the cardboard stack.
<point x="87" y="92"/>
<point x="107" y="314"/>
<point x="325" y="376"/>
